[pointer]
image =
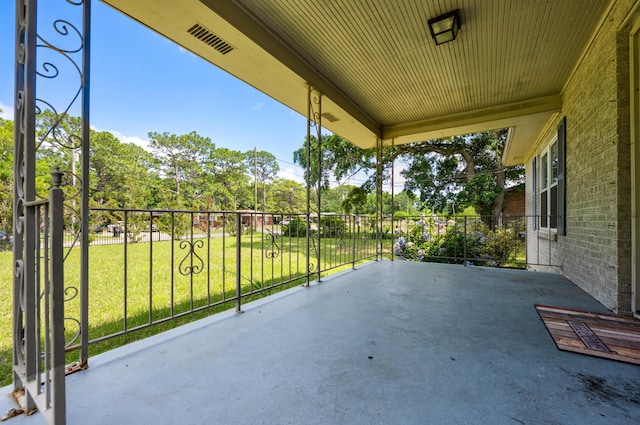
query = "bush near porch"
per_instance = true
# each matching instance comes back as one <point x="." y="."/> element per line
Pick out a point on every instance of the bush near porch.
<point x="454" y="241"/>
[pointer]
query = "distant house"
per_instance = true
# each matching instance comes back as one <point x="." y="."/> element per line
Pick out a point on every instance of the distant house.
<point x="254" y="218"/>
<point x="514" y="202"/>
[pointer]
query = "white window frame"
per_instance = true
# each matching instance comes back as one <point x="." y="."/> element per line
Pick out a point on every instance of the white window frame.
<point x="548" y="187"/>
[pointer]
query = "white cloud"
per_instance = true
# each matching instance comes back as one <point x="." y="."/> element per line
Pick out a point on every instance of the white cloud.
<point x="7" y="112"/>
<point x="131" y="139"/>
<point x="292" y="173"/>
<point x="257" y="106"/>
<point x="398" y="179"/>
<point x="124" y="139"/>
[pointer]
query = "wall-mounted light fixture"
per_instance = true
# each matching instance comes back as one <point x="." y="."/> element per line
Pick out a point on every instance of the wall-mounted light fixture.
<point x="444" y="28"/>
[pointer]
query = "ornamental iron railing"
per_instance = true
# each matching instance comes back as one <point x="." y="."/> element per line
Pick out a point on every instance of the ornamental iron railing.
<point x="52" y="51"/>
<point x="153" y="266"/>
<point x="39" y="318"/>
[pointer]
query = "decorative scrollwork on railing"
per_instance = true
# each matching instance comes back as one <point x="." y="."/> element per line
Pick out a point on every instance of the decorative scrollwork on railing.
<point x="341" y="241"/>
<point x="60" y="45"/>
<point x="70" y="292"/>
<point x="19" y="273"/>
<point x="192" y="263"/>
<point x="50" y="56"/>
<point x="314" y="103"/>
<point x="314" y="248"/>
<point x="273" y="249"/>
<point x="76" y="335"/>
<point x="66" y="31"/>
<point x="20" y="178"/>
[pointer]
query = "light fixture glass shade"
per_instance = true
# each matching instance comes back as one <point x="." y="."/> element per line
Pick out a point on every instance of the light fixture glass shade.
<point x="445" y="28"/>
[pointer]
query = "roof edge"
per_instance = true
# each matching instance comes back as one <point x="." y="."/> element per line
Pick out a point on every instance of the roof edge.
<point x="252" y="28"/>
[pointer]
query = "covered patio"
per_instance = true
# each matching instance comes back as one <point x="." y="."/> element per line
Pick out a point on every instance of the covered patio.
<point x="390" y="343"/>
<point x="395" y="341"/>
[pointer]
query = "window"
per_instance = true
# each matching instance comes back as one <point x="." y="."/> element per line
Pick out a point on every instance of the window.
<point x="552" y="183"/>
<point x="549" y="187"/>
<point x="534" y="180"/>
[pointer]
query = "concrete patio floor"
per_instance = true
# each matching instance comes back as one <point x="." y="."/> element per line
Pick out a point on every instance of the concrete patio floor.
<point x="391" y="343"/>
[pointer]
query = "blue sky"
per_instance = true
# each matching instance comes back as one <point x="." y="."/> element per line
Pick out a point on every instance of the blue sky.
<point x="152" y="84"/>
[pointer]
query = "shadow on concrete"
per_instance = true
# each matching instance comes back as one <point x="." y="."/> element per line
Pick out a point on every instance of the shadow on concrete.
<point x="390" y="343"/>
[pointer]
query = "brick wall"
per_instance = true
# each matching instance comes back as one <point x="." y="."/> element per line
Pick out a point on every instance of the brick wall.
<point x="596" y="252"/>
<point x="514" y="204"/>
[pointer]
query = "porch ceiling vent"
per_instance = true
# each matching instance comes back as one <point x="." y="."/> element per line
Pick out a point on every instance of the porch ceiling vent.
<point x="209" y="38"/>
<point x="330" y="117"/>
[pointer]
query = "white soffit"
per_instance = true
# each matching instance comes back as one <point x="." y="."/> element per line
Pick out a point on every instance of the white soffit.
<point x="379" y="70"/>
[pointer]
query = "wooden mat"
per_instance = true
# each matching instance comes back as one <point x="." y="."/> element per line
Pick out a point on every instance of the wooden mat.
<point x="594" y="334"/>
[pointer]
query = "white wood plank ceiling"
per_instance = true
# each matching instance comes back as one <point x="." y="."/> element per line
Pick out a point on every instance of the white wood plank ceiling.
<point x="377" y="65"/>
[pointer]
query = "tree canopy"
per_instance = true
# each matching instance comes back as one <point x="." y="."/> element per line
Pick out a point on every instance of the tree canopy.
<point x="190" y="172"/>
<point x="177" y="171"/>
<point x="263" y="167"/>
<point x="446" y="174"/>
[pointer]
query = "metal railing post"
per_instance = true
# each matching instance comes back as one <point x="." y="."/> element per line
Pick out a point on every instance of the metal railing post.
<point x="379" y="218"/>
<point x="56" y="220"/>
<point x="24" y="356"/>
<point x="395" y="234"/>
<point x="353" y="240"/>
<point x="318" y="120"/>
<point x="308" y="187"/>
<point x="85" y="196"/>
<point x="238" y="262"/>
<point x="464" y="253"/>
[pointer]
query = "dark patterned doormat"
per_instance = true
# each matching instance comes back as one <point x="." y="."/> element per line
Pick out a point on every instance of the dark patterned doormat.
<point x="594" y="334"/>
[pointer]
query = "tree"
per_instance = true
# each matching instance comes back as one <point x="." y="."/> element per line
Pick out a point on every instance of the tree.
<point x="460" y="171"/>
<point x="181" y="160"/>
<point x="59" y="141"/>
<point x="340" y="159"/>
<point x="227" y="177"/>
<point x="332" y="198"/>
<point x="264" y="167"/>
<point x="287" y="196"/>
<point x="344" y="199"/>
<point x="405" y="201"/>
<point x="122" y="174"/>
<point x="59" y="145"/>
<point x="448" y="174"/>
<point x="355" y="201"/>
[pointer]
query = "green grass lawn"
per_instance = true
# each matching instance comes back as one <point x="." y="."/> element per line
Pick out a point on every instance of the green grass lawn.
<point x="149" y="278"/>
<point x="6" y="289"/>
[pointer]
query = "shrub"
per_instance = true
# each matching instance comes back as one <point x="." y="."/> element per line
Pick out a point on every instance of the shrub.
<point x="179" y="224"/>
<point x="501" y="245"/>
<point x="296" y="228"/>
<point x="497" y="247"/>
<point x="423" y="244"/>
<point x="448" y="245"/>
<point x="331" y="227"/>
<point x="230" y="225"/>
